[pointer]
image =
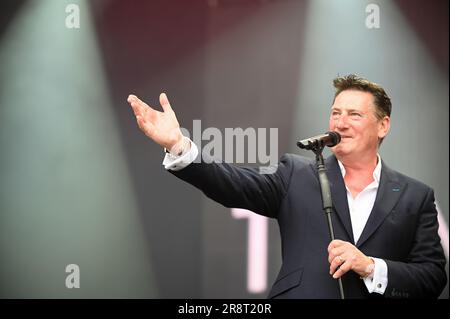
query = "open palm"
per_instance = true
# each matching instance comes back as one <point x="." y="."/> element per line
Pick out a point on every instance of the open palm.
<point x="162" y="127"/>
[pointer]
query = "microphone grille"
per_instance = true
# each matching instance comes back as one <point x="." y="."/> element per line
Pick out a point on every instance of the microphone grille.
<point x="335" y="138"/>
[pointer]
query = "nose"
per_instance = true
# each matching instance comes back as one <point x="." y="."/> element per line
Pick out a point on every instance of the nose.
<point x="341" y="122"/>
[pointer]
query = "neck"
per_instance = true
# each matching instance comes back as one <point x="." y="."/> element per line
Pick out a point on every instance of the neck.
<point x="358" y="163"/>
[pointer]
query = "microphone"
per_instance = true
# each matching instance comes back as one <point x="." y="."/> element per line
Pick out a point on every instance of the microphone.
<point x="329" y="139"/>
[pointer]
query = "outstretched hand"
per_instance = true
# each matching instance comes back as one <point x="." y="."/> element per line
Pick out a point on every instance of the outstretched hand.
<point x="161" y="127"/>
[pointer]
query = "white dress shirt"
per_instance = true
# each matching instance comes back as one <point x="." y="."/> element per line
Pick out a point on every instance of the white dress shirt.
<point x="360" y="208"/>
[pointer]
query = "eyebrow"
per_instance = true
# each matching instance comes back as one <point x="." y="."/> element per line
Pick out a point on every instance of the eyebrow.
<point x="348" y="110"/>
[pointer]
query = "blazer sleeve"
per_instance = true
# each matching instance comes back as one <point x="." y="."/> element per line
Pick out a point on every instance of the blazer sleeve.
<point x="240" y="187"/>
<point x="423" y="275"/>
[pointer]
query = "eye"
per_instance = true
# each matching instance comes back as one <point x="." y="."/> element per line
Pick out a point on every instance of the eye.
<point x="335" y="113"/>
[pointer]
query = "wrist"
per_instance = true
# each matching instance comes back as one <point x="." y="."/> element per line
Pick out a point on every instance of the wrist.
<point x="180" y="147"/>
<point x="369" y="270"/>
<point x="175" y="141"/>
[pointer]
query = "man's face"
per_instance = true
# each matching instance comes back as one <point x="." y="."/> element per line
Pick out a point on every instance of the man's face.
<point x="353" y="116"/>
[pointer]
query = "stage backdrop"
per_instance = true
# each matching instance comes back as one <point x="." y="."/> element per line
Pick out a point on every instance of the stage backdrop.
<point x="86" y="207"/>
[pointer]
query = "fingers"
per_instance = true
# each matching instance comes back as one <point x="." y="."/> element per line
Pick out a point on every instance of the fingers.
<point x="164" y="101"/>
<point x="335" y="243"/>
<point x="338" y="251"/>
<point x="140" y="110"/>
<point x="143" y="109"/>
<point x="335" y="252"/>
<point x="335" y="263"/>
<point x="344" y="267"/>
<point x="137" y="105"/>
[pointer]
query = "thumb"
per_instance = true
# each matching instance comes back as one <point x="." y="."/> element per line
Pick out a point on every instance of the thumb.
<point x="164" y="102"/>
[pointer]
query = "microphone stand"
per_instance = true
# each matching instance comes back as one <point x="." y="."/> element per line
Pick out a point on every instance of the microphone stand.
<point x="327" y="204"/>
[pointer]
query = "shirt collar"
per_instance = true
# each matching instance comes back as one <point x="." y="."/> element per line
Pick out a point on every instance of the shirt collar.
<point x="376" y="172"/>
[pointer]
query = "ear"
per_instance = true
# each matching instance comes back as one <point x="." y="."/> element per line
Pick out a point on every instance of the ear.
<point x="383" y="126"/>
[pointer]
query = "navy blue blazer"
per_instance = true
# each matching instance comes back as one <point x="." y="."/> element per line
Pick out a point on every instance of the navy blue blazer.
<point x="402" y="228"/>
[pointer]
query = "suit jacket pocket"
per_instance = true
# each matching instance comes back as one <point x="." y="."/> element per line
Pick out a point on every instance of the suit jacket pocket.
<point x="286" y="282"/>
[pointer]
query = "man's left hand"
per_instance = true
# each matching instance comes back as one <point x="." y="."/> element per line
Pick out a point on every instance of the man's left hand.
<point x="344" y="256"/>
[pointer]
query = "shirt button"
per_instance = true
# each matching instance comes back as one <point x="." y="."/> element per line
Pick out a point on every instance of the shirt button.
<point x="379" y="285"/>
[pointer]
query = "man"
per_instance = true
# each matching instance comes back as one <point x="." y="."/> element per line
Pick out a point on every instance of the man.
<point x="386" y="222"/>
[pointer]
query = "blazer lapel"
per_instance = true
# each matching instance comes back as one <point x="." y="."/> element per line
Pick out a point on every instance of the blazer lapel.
<point x="339" y="194"/>
<point x="389" y="192"/>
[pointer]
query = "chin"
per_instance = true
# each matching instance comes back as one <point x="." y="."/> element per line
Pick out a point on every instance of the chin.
<point x="340" y="151"/>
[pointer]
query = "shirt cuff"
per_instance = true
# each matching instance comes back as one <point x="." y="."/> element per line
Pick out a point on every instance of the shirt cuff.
<point x="379" y="281"/>
<point x="176" y="163"/>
